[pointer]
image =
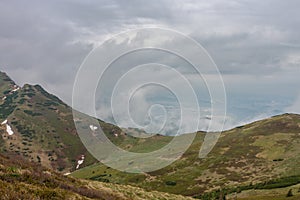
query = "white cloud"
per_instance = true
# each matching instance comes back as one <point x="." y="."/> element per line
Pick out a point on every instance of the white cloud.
<point x="295" y="107"/>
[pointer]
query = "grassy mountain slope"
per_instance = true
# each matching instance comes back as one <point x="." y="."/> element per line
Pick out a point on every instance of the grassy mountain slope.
<point x="5" y="83"/>
<point x="270" y="194"/>
<point x="43" y="126"/>
<point x="21" y="179"/>
<point x="251" y="155"/>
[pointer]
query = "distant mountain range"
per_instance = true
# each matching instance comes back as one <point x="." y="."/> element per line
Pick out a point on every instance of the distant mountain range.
<point x="261" y="156"/>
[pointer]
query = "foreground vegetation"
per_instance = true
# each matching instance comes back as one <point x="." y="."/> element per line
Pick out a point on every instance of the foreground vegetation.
<point x="20" y="179"/>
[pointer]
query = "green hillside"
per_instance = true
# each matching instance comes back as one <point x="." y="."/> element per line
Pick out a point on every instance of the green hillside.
<point x="257" y="155"/>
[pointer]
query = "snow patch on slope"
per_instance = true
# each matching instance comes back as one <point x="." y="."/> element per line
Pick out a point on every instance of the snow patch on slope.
<point x="16" y="89"/>
<point x="8" y="127"/>
<point x="93" y="128"/>
<point x="80" y="162"/>
<point x="9" y="130"/>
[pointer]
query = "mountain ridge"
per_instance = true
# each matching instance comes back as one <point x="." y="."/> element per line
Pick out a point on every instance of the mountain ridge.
<point x="43" y="126"/>
<point x="252" y="154"/>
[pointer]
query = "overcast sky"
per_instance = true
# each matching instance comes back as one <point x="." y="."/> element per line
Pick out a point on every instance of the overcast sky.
<point x="255" y="44"/>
